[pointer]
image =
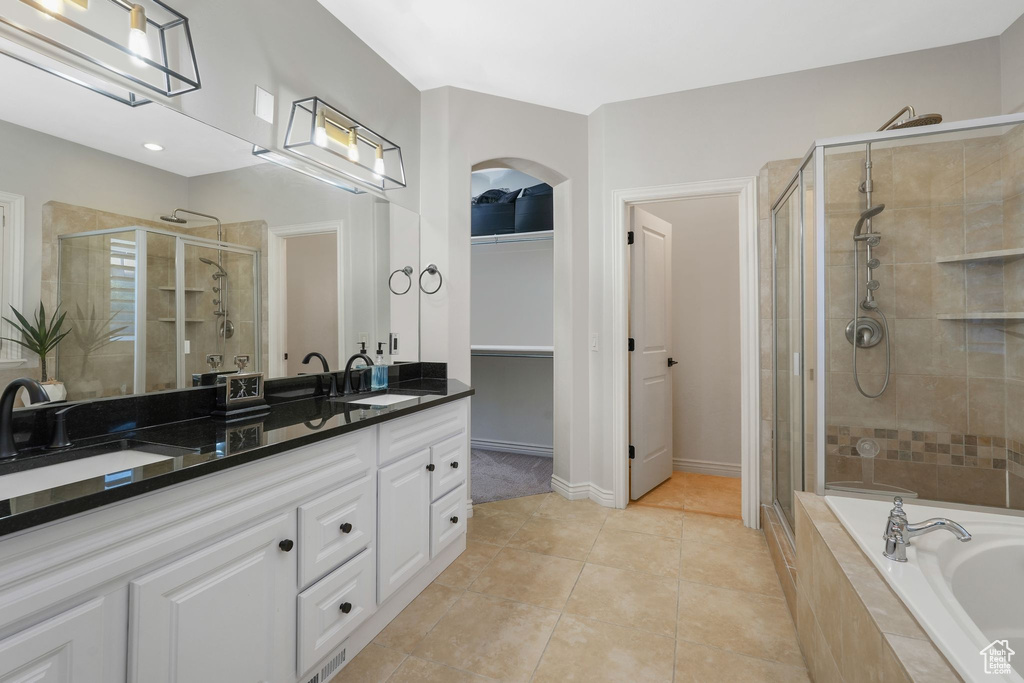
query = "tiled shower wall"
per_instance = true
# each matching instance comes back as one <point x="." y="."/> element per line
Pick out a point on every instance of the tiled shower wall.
<point x="951" y="423"/>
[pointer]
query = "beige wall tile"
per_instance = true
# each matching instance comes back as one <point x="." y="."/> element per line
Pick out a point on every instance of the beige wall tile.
<point x="928" y="174"/>
<point x="848" y="407"/>
<point x="587" y="650"/>
<point x="983" y="227"/>
<point x="987" y="406"/>
<point x="636" y="552"/>
<point x="861" y="655"/>
<point x="541" y="580"/>
<point x="927" y="347"/>
<point x="931" y="403"/>
<point x="923" y="291"/>
<point x="986" y="350"/>
<point x="490" y="637"/>
<point x="983" y="172"/>
<point x="921" y="660"/>
<point x="971" y="485"/>
<point x="984" y="286"/>
<point x="640" y="601"/>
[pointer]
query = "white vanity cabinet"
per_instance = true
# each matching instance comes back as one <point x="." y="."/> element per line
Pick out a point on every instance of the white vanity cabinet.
<point x="222" y="613"/>
<point x="279" y="570"/>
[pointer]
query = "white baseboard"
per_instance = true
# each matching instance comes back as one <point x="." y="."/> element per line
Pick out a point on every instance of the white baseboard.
<point x="582" y="491"/>
<point x="513" y="447"/>
<point x="720" y="469"/>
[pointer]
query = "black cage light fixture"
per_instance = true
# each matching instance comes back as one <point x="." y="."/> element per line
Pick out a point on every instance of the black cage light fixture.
<point x="335" y="141"/>
<point x="127" y="50"/>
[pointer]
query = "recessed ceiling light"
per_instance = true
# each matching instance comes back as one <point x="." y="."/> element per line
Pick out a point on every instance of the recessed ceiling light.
<point x="153" y="147"/>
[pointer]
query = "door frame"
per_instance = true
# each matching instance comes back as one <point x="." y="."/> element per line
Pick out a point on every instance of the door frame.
<point x="745" y="190"/>
<point x="277" y="305"/>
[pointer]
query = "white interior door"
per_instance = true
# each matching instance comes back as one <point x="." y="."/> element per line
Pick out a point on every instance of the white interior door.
<point x="650" y="374"/>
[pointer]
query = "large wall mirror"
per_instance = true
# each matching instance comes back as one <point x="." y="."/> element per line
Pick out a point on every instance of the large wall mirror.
<point x="172" y="249"/>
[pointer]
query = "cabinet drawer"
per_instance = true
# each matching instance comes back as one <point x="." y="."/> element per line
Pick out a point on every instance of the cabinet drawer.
<point x="333" y="607"/>
<point x="450" y="465"/>
<point x="334" y="527"/>
<point x="422" y="430"/>
<point x="442" y="529"/>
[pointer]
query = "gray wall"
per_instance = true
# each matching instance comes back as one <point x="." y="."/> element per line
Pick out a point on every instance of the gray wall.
<point x="1011" y="46"/>
<point x="705" y="333"/>
<point x="294" y="50"/>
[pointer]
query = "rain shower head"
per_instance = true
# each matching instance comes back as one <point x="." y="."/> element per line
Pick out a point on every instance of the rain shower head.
<point x="912" y="120"/>
<point x="174" y="219"/>
<point x="178" y="220"/>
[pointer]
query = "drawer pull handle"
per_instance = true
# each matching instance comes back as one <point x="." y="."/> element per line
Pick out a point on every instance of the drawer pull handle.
<point x="454" y="520"/>
<point x="286" y="545"/>
<point x="455" y="464"/>
<point x="346" y="528"/>
<point x="346" y="607"/>
<point x="430" y="467"/>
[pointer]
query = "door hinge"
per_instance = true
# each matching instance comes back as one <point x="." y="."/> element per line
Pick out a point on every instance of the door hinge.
<point x="632" y="344"/>
<point x="632" y="453"/>
<point x="629" y="237"/>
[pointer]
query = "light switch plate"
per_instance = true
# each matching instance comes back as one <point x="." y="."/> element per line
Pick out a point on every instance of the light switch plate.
<point x="593" y="342"/>
<point x="264" y="106"/>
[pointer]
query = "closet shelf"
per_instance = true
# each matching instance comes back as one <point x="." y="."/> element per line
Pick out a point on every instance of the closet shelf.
<point x="981" y="316"/>
<point x="539" y="236"/>
<point x="512" y="351"/>
<point x="997" y="255"/>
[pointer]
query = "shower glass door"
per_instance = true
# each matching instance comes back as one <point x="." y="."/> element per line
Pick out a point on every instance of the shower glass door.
<point x="220" y="305"/>
<point x="789" y="352"/>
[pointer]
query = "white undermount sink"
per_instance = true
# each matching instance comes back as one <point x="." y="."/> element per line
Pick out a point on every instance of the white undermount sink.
<point x="382" y="400"/>
<point x="50" y="476"/>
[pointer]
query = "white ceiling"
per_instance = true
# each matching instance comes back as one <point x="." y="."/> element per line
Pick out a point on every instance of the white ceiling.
<point x="579" y="54"/>
<point x="40" y="101"/>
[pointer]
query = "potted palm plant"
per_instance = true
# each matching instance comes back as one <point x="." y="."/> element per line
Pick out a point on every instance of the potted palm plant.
<point x="41" y="336"/>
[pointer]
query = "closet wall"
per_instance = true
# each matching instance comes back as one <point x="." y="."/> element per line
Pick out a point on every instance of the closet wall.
<point x="512" y="336"/>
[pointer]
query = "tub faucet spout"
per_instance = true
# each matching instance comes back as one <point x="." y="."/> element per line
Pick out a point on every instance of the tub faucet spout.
<point x="898" y="531"/>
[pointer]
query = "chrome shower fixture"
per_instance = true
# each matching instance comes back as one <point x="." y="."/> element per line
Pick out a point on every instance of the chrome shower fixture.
<point x="912" y="120"/>
<point x="178" y="220"/>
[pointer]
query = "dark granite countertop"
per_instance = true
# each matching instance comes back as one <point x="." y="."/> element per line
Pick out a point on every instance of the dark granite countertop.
<point x="202" y="446"/>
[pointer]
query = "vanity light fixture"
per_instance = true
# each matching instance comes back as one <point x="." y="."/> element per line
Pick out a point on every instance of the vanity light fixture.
<point x="328" y="139"/>
<point x="154" y="59"/>
<point x="137" y="40"/>
<point x="153" y="147"/>
<point x="307" y="169"/>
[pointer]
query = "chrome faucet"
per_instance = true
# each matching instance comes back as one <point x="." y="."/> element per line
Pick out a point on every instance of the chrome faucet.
<point x="35" y="392"/>
<point x="898" y="531"/>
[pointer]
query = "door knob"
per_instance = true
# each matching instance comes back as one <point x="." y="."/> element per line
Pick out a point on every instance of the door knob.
<point x="430" y="467"/>
<point x="455" y="464"/>
<point x="672" y="362"/>
<point x="286" y="545"/>
<point x="346" y="607"/>
<point x="346" y="528"/>
<point x="454" y="520"/>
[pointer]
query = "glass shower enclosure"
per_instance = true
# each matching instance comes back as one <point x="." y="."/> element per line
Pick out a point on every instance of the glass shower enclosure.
<point x="898" y="291"/>
<point x="146" y="308"/>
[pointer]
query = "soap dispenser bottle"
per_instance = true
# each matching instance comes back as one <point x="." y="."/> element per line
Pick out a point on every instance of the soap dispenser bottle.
<point x="379" y="379"/>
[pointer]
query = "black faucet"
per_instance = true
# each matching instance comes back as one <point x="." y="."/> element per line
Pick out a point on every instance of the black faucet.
<point x="347" y="377"/>
<point x="59" y="438"/>
<point x="327" y="370"/>
<point x="35" y="392"/>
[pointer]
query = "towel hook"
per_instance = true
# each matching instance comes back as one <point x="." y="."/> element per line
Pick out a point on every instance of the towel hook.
<point x="432" y="269"/>
<point x="407" y="271"/>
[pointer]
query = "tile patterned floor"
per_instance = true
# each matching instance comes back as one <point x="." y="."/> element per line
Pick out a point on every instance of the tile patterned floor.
<point x="553" y="590"/>
<point x="703" y="493"/>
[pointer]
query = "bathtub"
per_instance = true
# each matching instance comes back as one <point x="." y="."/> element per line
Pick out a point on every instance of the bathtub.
<point x="964" y="595"/>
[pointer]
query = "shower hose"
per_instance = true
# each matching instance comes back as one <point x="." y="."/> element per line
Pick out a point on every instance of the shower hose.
<point x="856" y="325"/>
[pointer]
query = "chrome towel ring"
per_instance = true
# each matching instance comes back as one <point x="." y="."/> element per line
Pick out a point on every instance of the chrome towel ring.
<point x="432" y="269"/>
<point x="407" y="271"/>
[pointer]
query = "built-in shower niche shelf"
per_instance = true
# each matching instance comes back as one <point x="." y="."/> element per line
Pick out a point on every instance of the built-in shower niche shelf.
<point x="997" y="255"/>
<point x="981" y="317"/>
<point x="187" y="320"/>
<point x="189" y="290"/>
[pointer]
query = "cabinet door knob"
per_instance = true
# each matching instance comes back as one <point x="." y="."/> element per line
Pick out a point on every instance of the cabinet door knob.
<point x="346" y="607"/>
<point x="454" y="520"/>
<point x="346" y="528"/>
<point x="286" y="545"/>
<point x="455" y="464"/>
<point x="430" y="467"/>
